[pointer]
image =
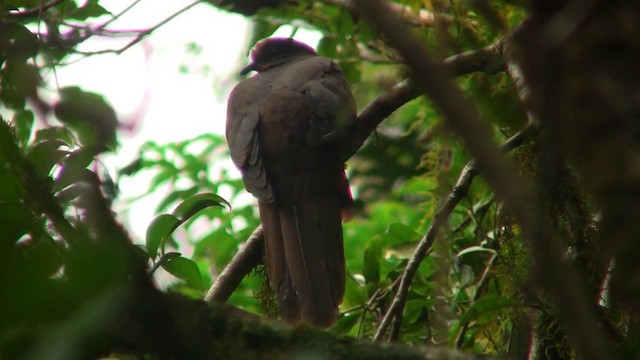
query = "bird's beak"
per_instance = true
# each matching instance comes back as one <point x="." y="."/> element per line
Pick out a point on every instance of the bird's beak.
<point x="246" y="69"/>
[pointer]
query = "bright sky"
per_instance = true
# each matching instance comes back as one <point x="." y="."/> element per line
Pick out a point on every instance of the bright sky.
<point x="146" y="84"/>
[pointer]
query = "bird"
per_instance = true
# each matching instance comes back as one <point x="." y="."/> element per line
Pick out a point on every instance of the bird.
<point x="286" y="129"/>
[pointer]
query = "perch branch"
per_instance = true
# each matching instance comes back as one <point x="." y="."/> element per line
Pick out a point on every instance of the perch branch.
<point x="242" y="263"/>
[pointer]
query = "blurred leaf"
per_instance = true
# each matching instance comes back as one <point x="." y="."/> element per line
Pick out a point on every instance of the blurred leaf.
<point x="184" y="269"/>
<point x="372" y="258"/>
<point x="89" y="10"/>
<point x="20" y="81"/>
<point x="43" y="156"/>
<point x="10" y="188"/>
<point x="162" y="177"/>
<point x="354" y="295"/>
<point x="223" y="244"/>
<point x="23" y="123"/>
<point x="175" y="196"/>
<point x="159" y="231"/>
<point x="417" y="185"/>
<point x="132" y="168"/>
<point x="415" y="308"/>
<point x="399" y="234"/>
<point x="54" y="133"/>
<point x="345" y="323"/>
<point x="466" y="275"/>
<point x="327" y="47"/>
<point x="345" y="23"/>
<point x="16" y="41"/>
<point x="75" y="164"/>
<point x="262" y="29"/>
<point x="89" y="114"/>
<point x="486" y="304"/>
<point x="366" y="31"/>
<point x="472" y="249"/>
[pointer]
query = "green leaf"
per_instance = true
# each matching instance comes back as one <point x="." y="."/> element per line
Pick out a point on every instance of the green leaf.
<point x="132" y="168"/>
<point x="372" y="258"/>
<point x="159" y="231"/>
<point x="345" y="23"/>
<point x="354" y="294"/>
<point x="75" y="164"/>
<point x="184" y="269"/>
<point x="191" y="206"/>
<point x="162" y="177"/>
<point x="20" y="81"/>
<point x="175" y="196"/>
<point x="89" y="10"/>
<point x="485" y="305"/>
<point x="17" y="42"/>
<point x="54" y="133"/>
<point x="23" y="122"/>
<point x="43" y="156"/>
<point x="10" y="189"/>
<point x="89" y="114"/>
<point x="414" y="309"/>
<point x="327" y="47"/>
<point x="345" y="323"/>
<point x="472" y="249"/>
<point x="366" y="32"/>
<point x="418" y="186"/>
<point x="262" y="29"/>
<point x="398" y="233"/>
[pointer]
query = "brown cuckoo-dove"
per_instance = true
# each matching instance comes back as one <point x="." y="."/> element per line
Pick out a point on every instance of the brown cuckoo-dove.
<point x="285" y="128"/>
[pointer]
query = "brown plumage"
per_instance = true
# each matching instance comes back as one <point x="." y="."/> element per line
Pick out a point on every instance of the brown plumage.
<point x="285" y="128"/>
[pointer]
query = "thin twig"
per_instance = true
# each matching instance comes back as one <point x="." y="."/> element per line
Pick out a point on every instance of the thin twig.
<point x="458" y="193"/>
<point x="118" y="15"/>
<point x="142" y="34"/>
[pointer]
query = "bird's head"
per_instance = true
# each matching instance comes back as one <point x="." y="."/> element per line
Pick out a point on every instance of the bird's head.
<point x="275" y="51"/>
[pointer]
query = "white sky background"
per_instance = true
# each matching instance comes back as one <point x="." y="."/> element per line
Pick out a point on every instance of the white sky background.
<point x="145" y="82"/>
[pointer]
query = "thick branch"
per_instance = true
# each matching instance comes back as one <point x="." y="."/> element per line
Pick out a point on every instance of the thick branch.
<point x="219" y="331"/>
<point x="501" y="175"/>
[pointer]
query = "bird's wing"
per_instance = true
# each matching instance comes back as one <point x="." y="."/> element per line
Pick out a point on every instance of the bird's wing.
<point x="331" y="102"/>
<point x="243" y="115"/>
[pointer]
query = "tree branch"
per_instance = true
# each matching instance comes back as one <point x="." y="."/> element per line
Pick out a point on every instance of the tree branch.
<point x="459" y="192"/>
<point x="248" y="257"/>
<point x="219" y="331"/>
